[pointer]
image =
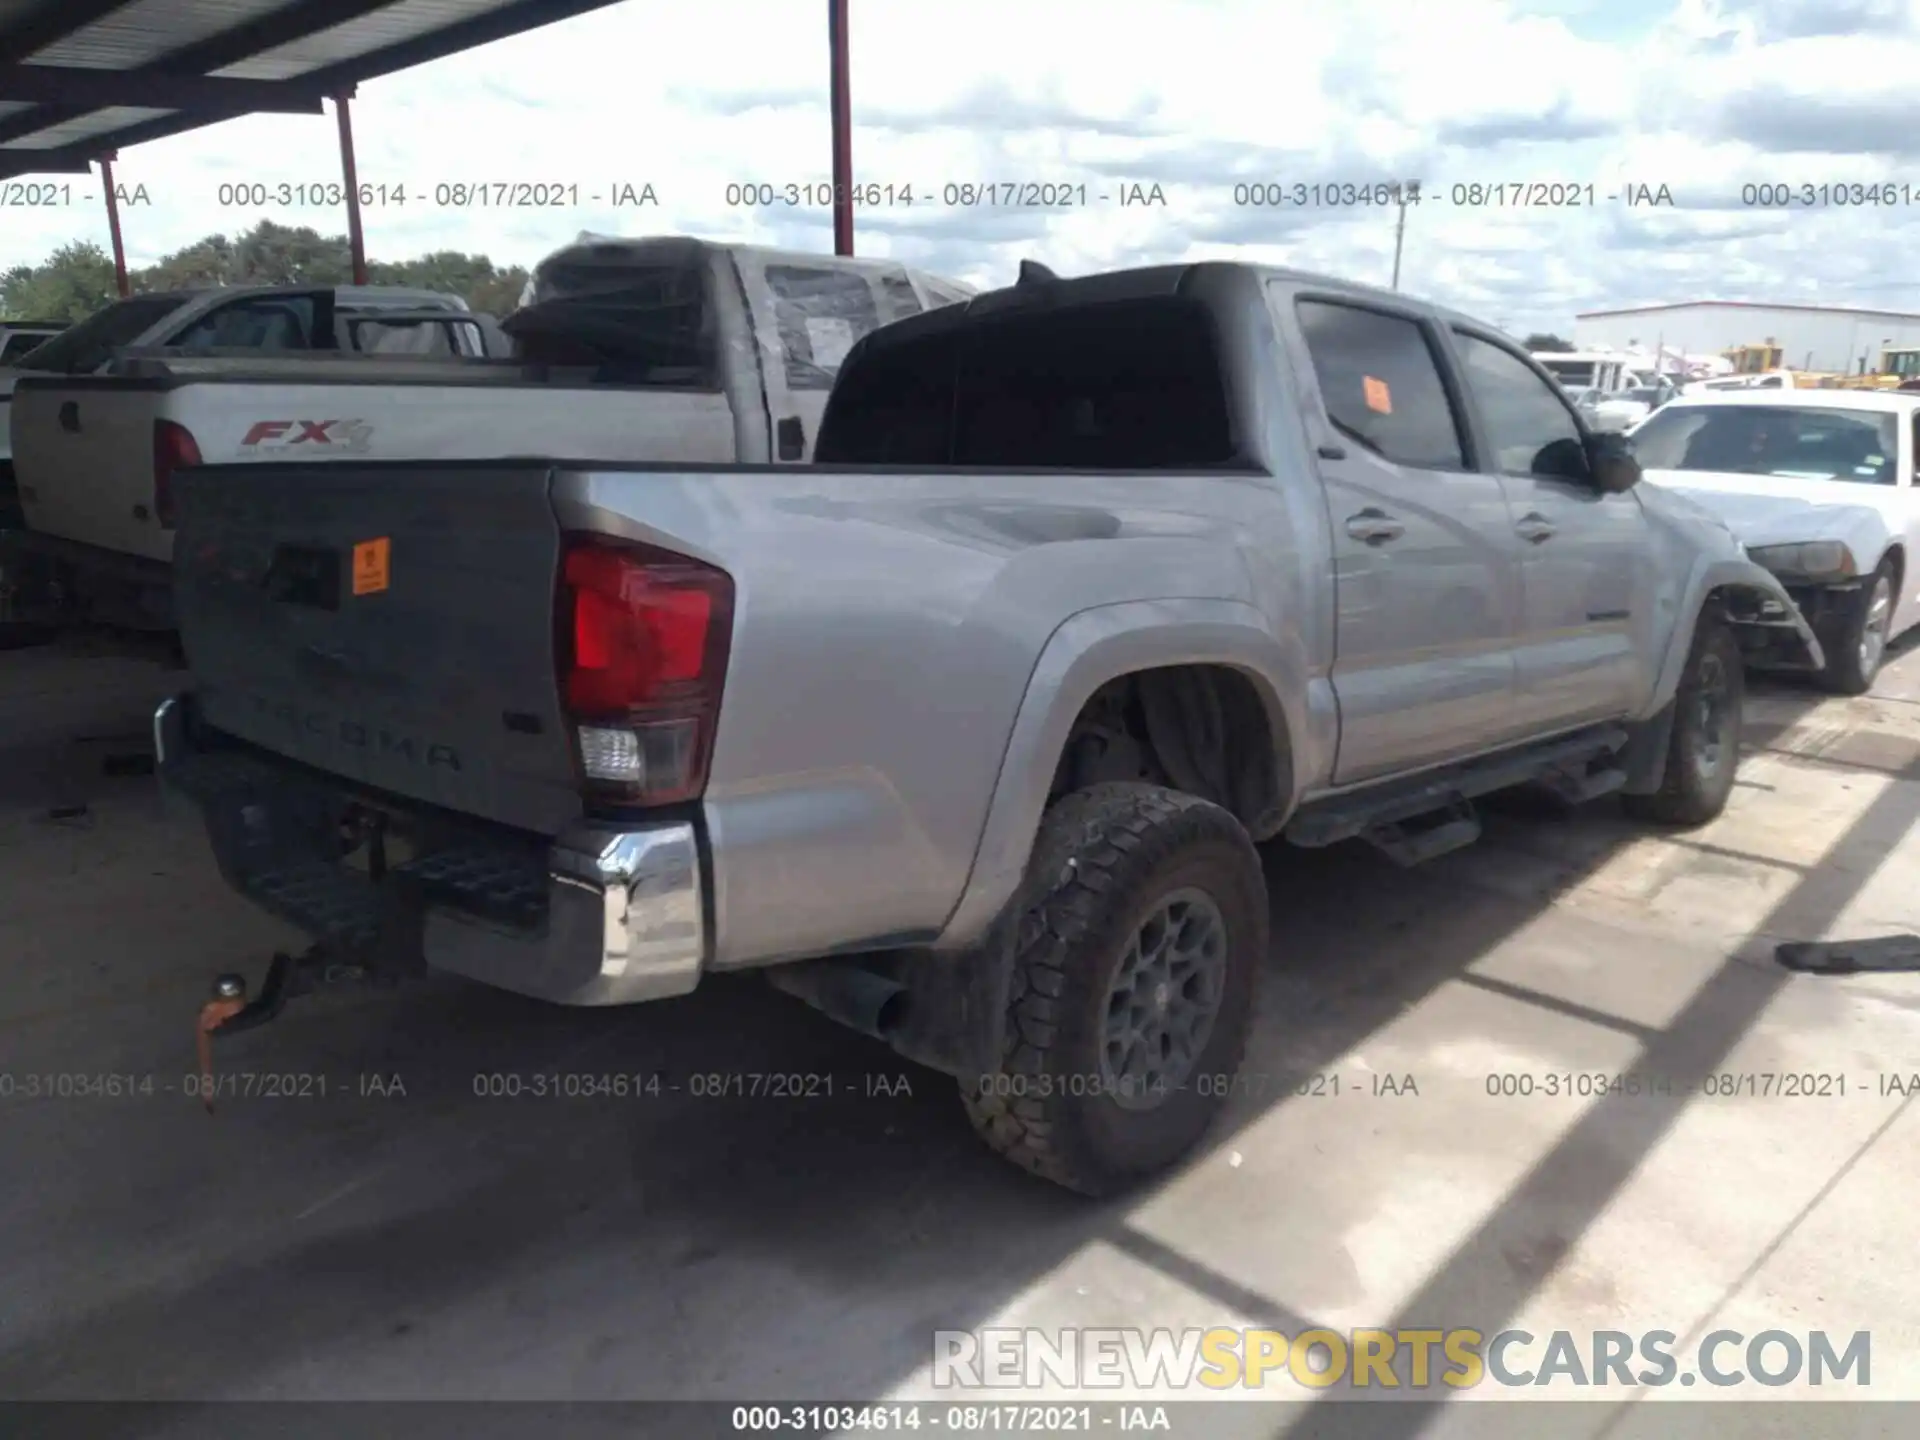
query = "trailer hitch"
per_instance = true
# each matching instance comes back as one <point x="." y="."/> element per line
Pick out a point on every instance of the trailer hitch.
<point x="229" y="1011"/>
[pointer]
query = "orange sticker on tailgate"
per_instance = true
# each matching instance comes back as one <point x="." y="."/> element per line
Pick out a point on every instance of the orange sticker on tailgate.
<point x="1379" y="398"/>
<point x="370" y="565"/>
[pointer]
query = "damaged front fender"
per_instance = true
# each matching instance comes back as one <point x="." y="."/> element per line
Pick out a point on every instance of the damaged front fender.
<point x="1773" y="634"/>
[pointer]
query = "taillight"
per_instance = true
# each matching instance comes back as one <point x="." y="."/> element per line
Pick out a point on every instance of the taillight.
<point x="174" y="448"/>
<point x="643" y="655"/>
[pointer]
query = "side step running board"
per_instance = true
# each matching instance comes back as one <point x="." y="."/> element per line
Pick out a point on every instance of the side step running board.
<point x="1577" y="789"/>
<point x="1414" y="842"/>
<point x="1415" y="820"/>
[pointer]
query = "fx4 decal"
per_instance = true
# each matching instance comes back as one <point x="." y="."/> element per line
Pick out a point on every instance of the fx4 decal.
<point x="336" y="435"/>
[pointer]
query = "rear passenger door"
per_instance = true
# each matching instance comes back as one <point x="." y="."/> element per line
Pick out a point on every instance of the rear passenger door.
<point x="1426" y="580"/>
<point x="1587" y="571"/>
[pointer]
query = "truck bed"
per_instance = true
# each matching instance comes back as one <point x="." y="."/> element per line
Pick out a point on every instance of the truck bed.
<point x="83" y="447"/>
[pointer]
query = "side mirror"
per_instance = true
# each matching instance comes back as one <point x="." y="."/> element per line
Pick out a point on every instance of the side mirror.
<point x="1614" y="466"/>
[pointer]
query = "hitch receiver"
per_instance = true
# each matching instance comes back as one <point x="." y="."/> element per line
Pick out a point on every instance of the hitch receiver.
<point x="229" y="1011"/>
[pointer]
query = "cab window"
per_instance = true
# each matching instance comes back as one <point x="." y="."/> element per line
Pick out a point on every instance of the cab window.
<point x="269" y="322"/>
<point x="1381" y="384"/>
<point x="1529" y="427"/>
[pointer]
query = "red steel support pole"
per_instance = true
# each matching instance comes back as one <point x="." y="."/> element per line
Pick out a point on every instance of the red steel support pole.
<point x="113" y="226"/>
<point x="350" y="174"/>
<point x="841" y="102"/>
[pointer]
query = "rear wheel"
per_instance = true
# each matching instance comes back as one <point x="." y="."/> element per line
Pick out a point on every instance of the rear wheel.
<point x="1857" y="644"/>
<point x="1703" y="749"/>
<point x="1144" y="930"/>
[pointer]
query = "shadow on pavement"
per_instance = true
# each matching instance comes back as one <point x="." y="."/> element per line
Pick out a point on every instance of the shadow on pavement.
<point x="451" y="1243"/>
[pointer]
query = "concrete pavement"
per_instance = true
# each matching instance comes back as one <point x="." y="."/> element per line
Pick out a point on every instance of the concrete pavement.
<point x="404" y="1236"/>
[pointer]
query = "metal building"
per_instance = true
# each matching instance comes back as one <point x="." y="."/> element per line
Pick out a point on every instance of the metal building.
<point x="1811" y="337"/>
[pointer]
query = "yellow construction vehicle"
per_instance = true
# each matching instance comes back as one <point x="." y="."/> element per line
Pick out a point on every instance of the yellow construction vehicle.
<point x="1753" y="359"/>
<point x="1901" y="364"/>
<point x="1763" y="367"/>
<point x="1899" y="369"/>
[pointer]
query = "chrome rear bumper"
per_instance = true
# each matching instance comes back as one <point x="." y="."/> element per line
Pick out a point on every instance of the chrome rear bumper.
<point x="598" y="915"/>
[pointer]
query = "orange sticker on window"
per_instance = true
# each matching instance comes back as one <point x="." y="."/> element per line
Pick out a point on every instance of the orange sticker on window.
<point x="370" y="565"/>
<point x="1378" y="396"/>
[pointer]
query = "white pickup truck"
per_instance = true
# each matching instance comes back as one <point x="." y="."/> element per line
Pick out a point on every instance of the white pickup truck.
<point x="220" y="327"/>
<point x="667" y="349"/>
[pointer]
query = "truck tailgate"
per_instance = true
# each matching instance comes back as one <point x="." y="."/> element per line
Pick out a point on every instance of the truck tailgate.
<point x="390" y="625"/>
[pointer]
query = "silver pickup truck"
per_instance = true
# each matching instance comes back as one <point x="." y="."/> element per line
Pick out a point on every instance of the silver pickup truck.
<point x="965" y="732"/>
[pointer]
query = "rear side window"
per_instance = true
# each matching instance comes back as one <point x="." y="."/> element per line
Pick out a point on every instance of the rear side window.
<point x="941" y="293"/>
<point x="630" y="324"/>
<point x="18" y="345"/>
<point x="276" y="323"/>
<point x="1123" y="385"/>
<point x="899" y="298"/>
<point x="1381" y="384"/>
<point x="374" y="336"/>
<point x="820" y="313"/>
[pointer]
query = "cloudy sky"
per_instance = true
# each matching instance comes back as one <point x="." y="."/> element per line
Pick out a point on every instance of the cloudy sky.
<point x="1200" y="98"/>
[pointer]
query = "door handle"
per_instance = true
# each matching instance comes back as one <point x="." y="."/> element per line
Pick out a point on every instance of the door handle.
<point x="790" y="438"/>
<point x="70" y="416"/>
<point x="1534" y="528"/>
<point x="1375" y="527"/>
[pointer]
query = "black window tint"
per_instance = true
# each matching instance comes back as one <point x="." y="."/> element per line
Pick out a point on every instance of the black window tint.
<point x="1380" y="383"/>
<point x="1532" y="432"/>
<point x="1124" y="385"/>
<point x="1130" y="385"/>
<point x="893" y="406"/>
<point x="279" y="322"/>
<point x="900" y="300"/>
<point x="630" y="324"/>
<point x="821" y="313"/>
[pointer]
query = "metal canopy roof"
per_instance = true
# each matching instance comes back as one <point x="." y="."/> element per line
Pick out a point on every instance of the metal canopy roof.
<point x="80" y="79"/>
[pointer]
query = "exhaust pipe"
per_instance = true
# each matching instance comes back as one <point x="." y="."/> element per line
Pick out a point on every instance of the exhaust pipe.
<point x="843" y="992"/>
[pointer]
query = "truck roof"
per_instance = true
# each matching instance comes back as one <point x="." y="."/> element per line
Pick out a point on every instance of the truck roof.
<point x="1146" y="282"/>
<point x="675" y="250"/>
<point x="343" y="294"/>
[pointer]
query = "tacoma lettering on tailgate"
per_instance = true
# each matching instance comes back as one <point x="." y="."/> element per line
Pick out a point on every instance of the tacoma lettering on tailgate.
<point x="414" y="750"/>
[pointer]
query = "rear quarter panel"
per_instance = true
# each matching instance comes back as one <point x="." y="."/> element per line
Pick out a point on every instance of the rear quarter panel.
<point x="887" y="632"/>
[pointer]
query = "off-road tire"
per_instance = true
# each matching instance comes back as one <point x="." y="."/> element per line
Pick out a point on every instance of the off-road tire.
<point x="1687" y="794"/>
<point x="1844" y="674"/>
<point x="1105" y="856"/>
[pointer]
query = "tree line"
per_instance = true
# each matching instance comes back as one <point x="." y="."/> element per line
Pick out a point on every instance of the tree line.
<point x="76" y="280"/>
